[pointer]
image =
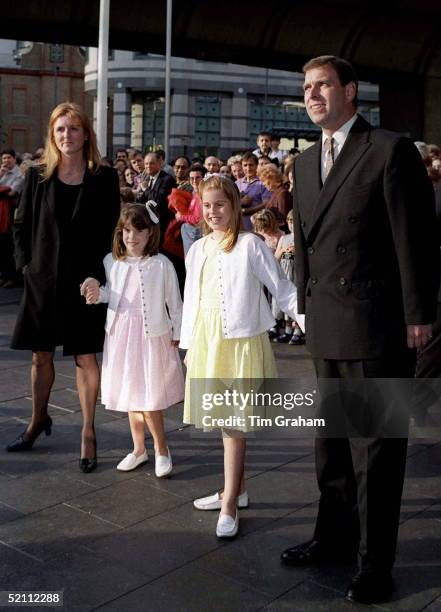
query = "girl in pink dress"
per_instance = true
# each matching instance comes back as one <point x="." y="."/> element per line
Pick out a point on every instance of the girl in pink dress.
<point x="142" y="372"/>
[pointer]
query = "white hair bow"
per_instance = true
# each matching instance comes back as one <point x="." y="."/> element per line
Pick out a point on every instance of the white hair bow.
<point x="151" y="205"/>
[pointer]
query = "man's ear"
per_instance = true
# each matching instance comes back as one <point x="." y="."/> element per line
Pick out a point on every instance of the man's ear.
<point x="350" y="91"/>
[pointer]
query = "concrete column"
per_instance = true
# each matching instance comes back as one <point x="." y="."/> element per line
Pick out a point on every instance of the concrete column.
<point x="239" y="121"/>
<point x="122" y="103"/>
<point x="136" y="126"/>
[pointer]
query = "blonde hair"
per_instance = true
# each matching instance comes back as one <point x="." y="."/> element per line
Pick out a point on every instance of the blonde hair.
<point x="290" y="216"/>
<point x="51" y="156"/>
<point x="231" y="192"/>
<point x="234" y="159"/>
<point x="138" y="216"/>
<point x="265" y="221"/>
<point x="270" y="172"/>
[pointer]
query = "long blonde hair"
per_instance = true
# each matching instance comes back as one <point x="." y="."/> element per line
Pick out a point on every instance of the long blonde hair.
<point x="232" y="194"/>
<point x="51" y="156"/>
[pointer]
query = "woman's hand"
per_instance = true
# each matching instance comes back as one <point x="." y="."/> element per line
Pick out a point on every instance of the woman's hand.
<point x="178" y="215"/>
<point x="90" y="289"/>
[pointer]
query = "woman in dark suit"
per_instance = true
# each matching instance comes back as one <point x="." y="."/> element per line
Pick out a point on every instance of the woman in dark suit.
<point x="63" y="227"/>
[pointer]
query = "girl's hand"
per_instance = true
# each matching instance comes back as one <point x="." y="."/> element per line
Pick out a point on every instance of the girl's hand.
<point x="175" y="342"/>
<point x="90" y="289"/>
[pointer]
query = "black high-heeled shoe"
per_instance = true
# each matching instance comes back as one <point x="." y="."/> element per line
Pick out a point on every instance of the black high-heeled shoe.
<point x="20" y="444"/>
<point x="88" y="465"/>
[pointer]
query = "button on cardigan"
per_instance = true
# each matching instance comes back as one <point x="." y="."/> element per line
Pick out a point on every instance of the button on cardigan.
<point x="159" y="287"/>
<point x="242" y="274"/>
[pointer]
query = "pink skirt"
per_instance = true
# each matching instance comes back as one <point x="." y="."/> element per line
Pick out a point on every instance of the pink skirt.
<point x="139" y="373"/>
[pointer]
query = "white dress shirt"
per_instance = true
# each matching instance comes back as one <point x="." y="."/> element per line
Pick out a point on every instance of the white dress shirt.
<point x="339" y="140"/>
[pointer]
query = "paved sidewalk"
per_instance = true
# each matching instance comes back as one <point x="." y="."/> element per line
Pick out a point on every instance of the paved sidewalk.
<point x="130" y="542"/>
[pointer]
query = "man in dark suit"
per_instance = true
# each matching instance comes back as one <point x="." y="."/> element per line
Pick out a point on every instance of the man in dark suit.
<point x="157" y="186"/>
<point x="367" y="277"/>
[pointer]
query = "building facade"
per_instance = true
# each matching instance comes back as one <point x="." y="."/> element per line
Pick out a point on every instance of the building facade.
<point x="35" y="77"/>
<point x="216" y="108"/>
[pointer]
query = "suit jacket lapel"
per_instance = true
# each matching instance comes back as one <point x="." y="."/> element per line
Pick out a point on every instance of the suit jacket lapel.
<point x="354" y="148"/>
<point x="313" y="179"/>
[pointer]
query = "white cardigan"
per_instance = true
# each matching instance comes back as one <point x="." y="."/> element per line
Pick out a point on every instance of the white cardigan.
<point x="245" y="310"/>
<point x="159" y="286"/>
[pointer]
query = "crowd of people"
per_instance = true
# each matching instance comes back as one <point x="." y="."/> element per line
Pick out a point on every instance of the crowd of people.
<point x="357" y="254"/>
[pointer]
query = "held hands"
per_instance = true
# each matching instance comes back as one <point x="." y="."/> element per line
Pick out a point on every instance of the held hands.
<point x="418" y="335"/>
<point x="90" y="289"/>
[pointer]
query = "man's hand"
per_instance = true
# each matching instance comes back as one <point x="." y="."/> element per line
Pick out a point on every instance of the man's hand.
<point x="90" y="289"/>
<point x="418" y="335"/>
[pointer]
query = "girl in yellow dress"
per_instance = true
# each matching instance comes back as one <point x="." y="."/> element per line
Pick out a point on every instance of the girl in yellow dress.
<point x="224" y="325"/>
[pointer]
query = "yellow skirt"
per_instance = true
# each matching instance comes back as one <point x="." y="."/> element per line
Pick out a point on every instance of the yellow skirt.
<point x="215" y="364"/>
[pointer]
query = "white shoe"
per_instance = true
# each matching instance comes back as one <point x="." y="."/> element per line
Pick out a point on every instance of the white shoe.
<point x="163" y="465"/>
<point x="227" y="526"/>
<point x="131" y="462"/>
<point x="214" y="502"/>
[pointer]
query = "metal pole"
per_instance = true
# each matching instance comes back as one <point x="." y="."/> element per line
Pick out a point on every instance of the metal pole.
<point x="167" y="78"/>
<point x="103" y="54"/>
<point x="266" y="86"/>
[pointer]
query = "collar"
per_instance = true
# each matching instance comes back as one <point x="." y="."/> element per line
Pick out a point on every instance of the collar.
<point x="245" y="180"/>
<point x="341" y="134"/>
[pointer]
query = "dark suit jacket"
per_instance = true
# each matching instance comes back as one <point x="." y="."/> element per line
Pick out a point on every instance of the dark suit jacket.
<point x="367" y="258"/>
<point x="37" y="244"/>
<point x="159" y="193"/>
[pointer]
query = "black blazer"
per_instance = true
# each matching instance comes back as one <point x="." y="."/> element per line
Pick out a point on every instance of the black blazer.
<point x="37" y="245"/>
<point x="159" y="193"/>
<point x="367" y="260"/>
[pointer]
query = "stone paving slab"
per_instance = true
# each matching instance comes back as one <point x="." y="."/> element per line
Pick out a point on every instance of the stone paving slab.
<point x="128" y="541"/>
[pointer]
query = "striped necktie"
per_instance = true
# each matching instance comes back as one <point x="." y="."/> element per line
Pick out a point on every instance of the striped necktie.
<point x="328" y="147"/>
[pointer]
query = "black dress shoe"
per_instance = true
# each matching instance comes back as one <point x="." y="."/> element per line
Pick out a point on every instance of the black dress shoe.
<point x="88" y="465"/>
<point x="20" y="444"/>
<point x="369" y="586"/>
<point x="309" y="553"/>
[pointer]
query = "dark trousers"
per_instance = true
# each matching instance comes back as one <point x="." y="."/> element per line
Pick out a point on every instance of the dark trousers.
<point x="360" y="479"/>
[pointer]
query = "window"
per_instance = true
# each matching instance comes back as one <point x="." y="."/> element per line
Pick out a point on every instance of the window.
<point x="207" y="124"/>
<point x="285" y="117"/>
<point x="153" y="123"/>
<point x="371" y="114"/>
